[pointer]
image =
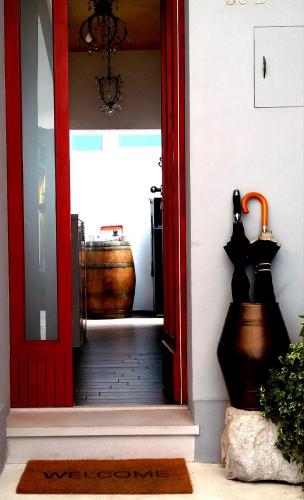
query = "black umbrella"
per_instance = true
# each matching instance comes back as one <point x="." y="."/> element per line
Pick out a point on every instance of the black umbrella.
<point x="237" y="250"/>
<point x="262" y="252"/>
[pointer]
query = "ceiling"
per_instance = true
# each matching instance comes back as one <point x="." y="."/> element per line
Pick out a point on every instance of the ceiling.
<point x="142" y="18"/>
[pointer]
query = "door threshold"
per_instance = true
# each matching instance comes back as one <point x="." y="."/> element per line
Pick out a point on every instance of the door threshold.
<point x="100" y="408"/>
<point x="106" y="421"/>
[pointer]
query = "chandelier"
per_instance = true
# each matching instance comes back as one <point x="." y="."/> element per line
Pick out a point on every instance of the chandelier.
<point x="110" y="89"/>
<point x="102" y="29"/>
<point x="102" y="32"/>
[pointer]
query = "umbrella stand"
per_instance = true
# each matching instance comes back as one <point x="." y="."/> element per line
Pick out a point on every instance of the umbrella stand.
<point x="254" y="334"/>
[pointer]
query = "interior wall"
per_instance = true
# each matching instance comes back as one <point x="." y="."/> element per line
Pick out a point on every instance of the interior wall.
<point x="141" y="110"/>
<point x="141" y="105"/>
<point x="4" y="321"/>
<point x="111" y="187"/>
<point x="233" y="145"/>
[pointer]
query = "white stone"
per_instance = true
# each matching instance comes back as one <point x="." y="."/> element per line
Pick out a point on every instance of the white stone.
<point x="249" y="452"/>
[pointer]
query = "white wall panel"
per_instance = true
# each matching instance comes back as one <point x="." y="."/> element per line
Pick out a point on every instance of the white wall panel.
<point x="279" y="66"/>
<point x="234" y="145"/>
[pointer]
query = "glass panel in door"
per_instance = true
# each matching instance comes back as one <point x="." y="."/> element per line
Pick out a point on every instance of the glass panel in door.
<point x="38" y="170"/>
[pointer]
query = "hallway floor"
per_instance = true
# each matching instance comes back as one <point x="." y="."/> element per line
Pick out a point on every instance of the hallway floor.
<point x="209" y="483"/>
<point x="121" y="363"/>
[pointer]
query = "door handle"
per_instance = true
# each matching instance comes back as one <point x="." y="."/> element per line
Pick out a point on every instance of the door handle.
<point x="155" y="189"/>
<point x="264" y="67"/>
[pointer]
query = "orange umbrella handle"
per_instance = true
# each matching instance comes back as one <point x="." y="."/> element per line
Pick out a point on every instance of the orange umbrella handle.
<point x="264" y="203"/>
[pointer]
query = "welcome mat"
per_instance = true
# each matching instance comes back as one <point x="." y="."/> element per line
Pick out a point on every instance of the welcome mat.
<point x="154" y="476"/>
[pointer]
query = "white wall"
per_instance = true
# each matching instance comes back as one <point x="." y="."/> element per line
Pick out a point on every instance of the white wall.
<point x="112" y="187"/>
<point x="233" y="145"/>
<point x="140" y="71"/>
<point x="4" y="322"/>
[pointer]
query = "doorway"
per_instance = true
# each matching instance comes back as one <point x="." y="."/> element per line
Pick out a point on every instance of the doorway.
<point x="116" y="177"/>
<point x="117" y="310"/>
<point x="41" y="362"/>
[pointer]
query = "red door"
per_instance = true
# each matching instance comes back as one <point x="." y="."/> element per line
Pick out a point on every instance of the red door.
<point x="174" y="204"/>
<point x="39" y="247"/>
<point x="38" y="187"/>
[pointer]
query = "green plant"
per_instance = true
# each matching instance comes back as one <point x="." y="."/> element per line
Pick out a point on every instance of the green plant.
<point x="282" y="401"/>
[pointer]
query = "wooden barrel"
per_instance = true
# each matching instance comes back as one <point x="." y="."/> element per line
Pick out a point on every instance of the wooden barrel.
<point x="110" y="279"/>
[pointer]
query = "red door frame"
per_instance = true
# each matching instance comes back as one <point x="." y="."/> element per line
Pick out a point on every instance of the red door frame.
<point x="174" y="195"/>
<point x="41" y="371"/>
<point x="37" y="365"/>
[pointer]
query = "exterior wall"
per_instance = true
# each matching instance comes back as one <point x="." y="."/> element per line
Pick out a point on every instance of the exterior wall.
<point x="230" y="144"/>
<point x="141" y="73"/>
<point x="4" y="322"/>
<point x="233" y="145"/>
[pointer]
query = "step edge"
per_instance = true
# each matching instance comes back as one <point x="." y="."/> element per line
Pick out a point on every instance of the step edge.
<point x="162" y="430"/>
<point x="100" y="409"/>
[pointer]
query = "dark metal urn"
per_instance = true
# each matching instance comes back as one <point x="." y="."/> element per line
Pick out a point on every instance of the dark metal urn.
<point x="253" y="337"/>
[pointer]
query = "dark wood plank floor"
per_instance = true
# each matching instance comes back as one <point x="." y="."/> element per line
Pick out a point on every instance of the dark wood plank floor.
<point x="120" y="365"/>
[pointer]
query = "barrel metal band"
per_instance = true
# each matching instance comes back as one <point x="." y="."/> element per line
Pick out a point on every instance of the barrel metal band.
<point x="107" y="249"/>
<point x="110" y="294"/>
<point x="110" y="265"/>
<point x="112" y="314"/>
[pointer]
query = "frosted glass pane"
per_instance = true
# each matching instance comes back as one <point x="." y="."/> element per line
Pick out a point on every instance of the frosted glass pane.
<point x="39" y="170"/>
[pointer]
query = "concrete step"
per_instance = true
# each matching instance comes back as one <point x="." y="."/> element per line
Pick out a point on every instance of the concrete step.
<point x="100" y="433"/>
